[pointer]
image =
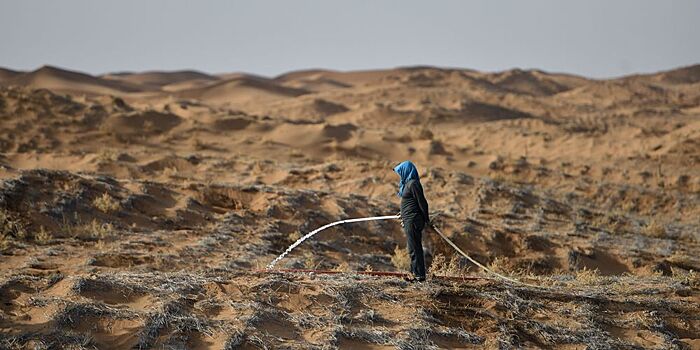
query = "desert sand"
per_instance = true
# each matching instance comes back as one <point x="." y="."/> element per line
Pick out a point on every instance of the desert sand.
<point x="138" y="210"/>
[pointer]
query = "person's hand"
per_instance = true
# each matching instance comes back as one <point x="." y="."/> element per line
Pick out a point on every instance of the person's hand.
<point x="398" y="215"/>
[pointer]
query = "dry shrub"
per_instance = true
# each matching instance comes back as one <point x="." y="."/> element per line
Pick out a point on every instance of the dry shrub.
<point x="220" y="197"/>
<point x="105" y="203"/>
<point x="654" y="228"/>
<point x="93" y="230"/>
<point x="11" y="225"/>
<point x="294" y="236"/>
<point x="43" y="237"/>
<point x="587" y="277"/>
<point x="342" y="267"/>
<point x="441" y="266"/>
<point x="620" y="285"/>
<point x="680" y="259"/>
<point x="499" y="265"/>
<point x="107" y="156"/>
<point x="400" y="259"/>
<point x="4" y="243"/>
<point x="101" y="231"/>
<point x="500" y="177"/>
<point x="629" y="205"/>
<point x="101" y="245"/>
<point x="650" y="271"/>
<point x="691" y="279"/>
<point x="615" y="222"/>
<point x="171" y="171"/>
<point x="310" y="261"/>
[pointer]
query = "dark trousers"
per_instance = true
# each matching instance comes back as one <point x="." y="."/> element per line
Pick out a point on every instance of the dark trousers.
<point x="414" y="234"/>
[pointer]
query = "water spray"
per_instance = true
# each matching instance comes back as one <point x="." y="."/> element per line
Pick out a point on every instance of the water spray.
<point x="308" y="235"/>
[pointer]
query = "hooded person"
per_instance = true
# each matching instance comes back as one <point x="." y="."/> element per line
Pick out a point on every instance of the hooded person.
<point x="414" y="215"/>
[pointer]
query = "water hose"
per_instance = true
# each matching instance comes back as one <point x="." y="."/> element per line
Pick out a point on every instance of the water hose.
<point x="474" y="261"/>
<point x="386" y="217"/>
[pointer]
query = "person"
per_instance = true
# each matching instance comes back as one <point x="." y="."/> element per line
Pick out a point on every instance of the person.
<point x="414" y="216"/>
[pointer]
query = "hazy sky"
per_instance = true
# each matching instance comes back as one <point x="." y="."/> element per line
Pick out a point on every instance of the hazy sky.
<point x="594" y="38"/>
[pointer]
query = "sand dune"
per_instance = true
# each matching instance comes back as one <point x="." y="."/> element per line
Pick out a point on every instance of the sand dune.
<point x="312" y="135"/>
<point x="48" y="77"/>
<point x="529" y="82"/>
<point x="240" y="75"/>
<point x="311" y="110"/>
<point x="470" y="111"/>
<point x="137" y="209"/>
<point x="7" y="74"/>
<point x="140" y="123"/>
<point x="187" y="85"/>
<point x="354" y="78"/>
<point x="312" y="80"/>
<point x="157" y="79"/>
<point x="303" y="74"/>
<point x="241" y="90"/>
<point x="685" y="75"/>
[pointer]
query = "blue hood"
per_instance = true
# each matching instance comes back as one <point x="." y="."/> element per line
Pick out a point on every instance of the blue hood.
<point x="407" y="171"/>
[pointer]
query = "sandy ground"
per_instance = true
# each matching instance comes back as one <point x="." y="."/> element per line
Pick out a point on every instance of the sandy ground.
<point x="138" y="209"/>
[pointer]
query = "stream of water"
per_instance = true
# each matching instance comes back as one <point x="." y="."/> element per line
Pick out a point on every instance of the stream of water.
<point x="310" y="234"/>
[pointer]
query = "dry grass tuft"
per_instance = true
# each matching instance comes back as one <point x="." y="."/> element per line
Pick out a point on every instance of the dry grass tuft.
<point x="499" y="265"/>
<point x="342" y="267"/>
<point x="294" y="236"/>
<point x="441" y="266"/>
<point x="690" y="278"/>
<point x="400" y="259"/>
<point x="171" y="171"/>
<point x="587" y="277"/>
<point x="4" y="243"/>
<point x="43" y="236"/>
<point x="10" y="225"/>
<point x="310" y="261"/>
<point x="654" y="228"/>
<point x="500" y="178"/>
<point x="107" y="156"/>
<point x="94" y="230"/>
<point x="106" y="203"/>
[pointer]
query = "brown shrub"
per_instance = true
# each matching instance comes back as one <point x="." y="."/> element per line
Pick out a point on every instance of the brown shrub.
<point x="654" y="228"/>
<point x="106" y="203"/>
<point x="587" y="277"/>
<point x="43" y="237"/>
<point x="443" y="267"/>
<point x="93" y="230"/>
<point x="400" y="259"/>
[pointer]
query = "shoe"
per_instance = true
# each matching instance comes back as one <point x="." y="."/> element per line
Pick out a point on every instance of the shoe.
<point x="414" y="279"/>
